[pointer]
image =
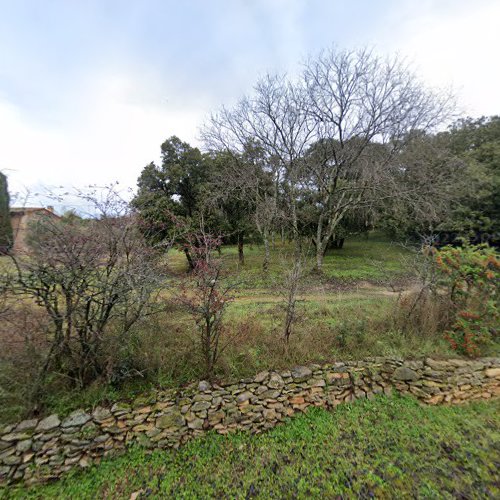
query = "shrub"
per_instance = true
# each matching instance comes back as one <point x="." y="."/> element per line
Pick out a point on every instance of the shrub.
<point x="423" y="312"/>
<point x="471" y="277"/>
<point x="205" y="296"/>
<point x="94" y="278"/>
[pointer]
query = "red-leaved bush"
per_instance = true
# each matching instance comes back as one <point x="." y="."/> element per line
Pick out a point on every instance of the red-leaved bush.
<point x="471" y="275"/>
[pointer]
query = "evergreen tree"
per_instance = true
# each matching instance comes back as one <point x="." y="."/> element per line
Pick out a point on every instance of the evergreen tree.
<point x="6" y="234"/>
<point x="477" y="142"/>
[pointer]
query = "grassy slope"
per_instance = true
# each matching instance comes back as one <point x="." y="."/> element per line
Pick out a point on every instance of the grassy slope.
<point x="387" y="448"/>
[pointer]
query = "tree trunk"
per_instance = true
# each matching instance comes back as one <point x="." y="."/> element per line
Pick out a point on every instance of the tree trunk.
<point x="265" y="263"/>
<point x="241" y="255"/>
<point x="320" y="245"/>
<point x="324" y="236"/>
<point x="340" y="243"/>
<point x="320" y="253"/>
<point x="189" y="259"/>
<point x="206" y="342"/>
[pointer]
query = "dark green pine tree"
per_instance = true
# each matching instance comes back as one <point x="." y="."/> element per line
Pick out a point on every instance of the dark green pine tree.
<point x="6" y="234"/>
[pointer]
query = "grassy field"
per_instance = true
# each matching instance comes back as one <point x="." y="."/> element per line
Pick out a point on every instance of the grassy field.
<point x="345" y="313"/>
<point x="384" y="448"/>
<point x="350" y="312"/>
<point x="374" y="258"/>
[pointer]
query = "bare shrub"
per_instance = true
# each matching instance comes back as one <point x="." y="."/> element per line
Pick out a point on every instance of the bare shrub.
<point x="23" y="337"/>
<point x="93" y="277"/>
<point x="162" y="349"/>
<point x="290" y="288"/>
<point x="205" y="294"/>
<point x="423" y="309"/>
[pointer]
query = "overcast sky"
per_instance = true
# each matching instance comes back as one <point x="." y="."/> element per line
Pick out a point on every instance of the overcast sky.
<point x="89" y="89"/>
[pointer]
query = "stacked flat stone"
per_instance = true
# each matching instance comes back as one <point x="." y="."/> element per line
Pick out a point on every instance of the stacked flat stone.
<point x="39" y="450"/>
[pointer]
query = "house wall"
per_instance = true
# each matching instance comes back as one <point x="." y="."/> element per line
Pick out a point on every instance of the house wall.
<point x="19" y="226"/>
<point x="21" y="221"/>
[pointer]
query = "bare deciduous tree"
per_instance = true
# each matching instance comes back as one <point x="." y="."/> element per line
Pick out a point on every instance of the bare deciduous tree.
<point x="335" y="132"/>
<point x="275" y="120"/>
<point x="365" y="110"/>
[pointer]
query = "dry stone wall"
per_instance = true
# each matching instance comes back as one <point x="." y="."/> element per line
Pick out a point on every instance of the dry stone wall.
<point x="38" y="450"/>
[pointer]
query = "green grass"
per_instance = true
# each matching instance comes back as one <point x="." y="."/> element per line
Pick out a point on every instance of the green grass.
<point x="384" y="448"/>
<point x="375" y="259"/>
<point x="372" y="259"/>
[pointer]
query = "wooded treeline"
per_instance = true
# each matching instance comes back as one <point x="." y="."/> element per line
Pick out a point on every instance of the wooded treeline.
<point x="355" y="142"/>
